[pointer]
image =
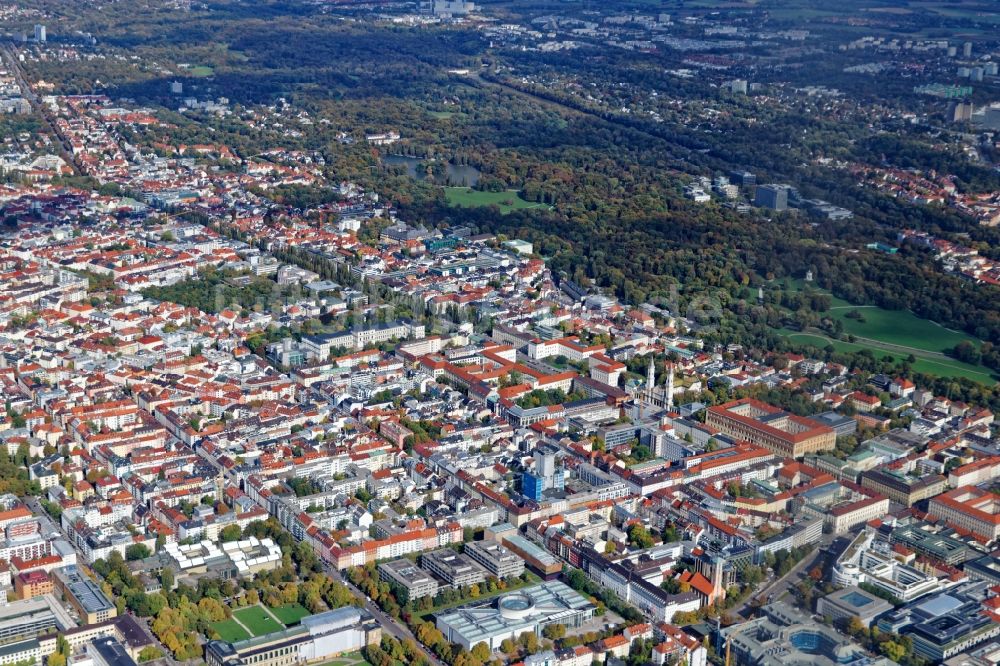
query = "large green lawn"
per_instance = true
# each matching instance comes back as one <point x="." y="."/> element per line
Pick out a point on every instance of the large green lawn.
<point x="909" y="334"/>
<point x="257" y="620"/>
<point x="940" y="367"/>
<point x="896" y="327"/>
<point x="468" y="197"/>
<point x="201" y="71"/>
<point x="446" y="115"/>
<point x="290" y="614"/>
<point x="230" y="631"/>
<point x="899" y="327"/>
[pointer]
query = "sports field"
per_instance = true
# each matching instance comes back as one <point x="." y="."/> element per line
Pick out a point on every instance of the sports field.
<point x="257" y="620"/>
<point x="290" y="614"/>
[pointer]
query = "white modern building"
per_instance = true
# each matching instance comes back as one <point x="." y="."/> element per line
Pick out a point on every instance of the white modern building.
<point x="244" y="558"/>
<point x="872" y="562"/>
<point x="511" y="615"/>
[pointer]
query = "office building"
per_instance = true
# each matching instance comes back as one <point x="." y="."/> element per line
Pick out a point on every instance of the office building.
<point x="744" y="179"/>
<point x="772" y="196"/>
<point x="842" y="425"/>
<point x="497" y="559"/>
<point x="509" y="616"/>
<point x="985" y="568"/>
<point x="936" y="541"/>
<point x="84" y="595"/>
<point x="402" y="232"/>
<point x="987" y="118"/>
<point x="903" y="489"/>
<point x="547" y="474"/>
<point x="453" y="568"/>
<point x="852" y="602"/>
<point x="872" y="562"/>
<point x="30" y="617"/>
<point x="413" y="580"/>
<point x="697" y="194"/>
<point x="519" y="246"/>
<point x="261" y="265"/>
<point x="721" y="185"/>
<point x="286" y="354"/>
<point x="945" y="624"/>
<point x="316" y="638"/>
<point x="799" y="534"/>
<point x="738" y="86"/>
<point x="452" y="8"/>
<point x="943" y="91"/>
<point x="848" y="515"/>
<point x="40" y="36"/>
<point x="537" y="558"/>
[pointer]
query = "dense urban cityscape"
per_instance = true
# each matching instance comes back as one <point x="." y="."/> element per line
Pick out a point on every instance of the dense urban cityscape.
<point x="454" y="334"/>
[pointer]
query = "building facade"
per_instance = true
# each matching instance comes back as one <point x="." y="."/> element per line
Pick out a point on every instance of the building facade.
<point x="495" y="558"/>
<point x="415" y="581"/>
<point x="453" y="568"/>
<point x="317" y="638"/>
<point x="767" y="426"/>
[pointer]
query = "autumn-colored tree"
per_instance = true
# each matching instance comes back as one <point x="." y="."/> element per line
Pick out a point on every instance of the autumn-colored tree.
<point x="529" y="641"/>
<point x="481" y="652"/>
<point x="509" y="648"/>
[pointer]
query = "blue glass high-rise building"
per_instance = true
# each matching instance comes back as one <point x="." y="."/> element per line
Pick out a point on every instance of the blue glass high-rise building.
<point x="532" y="486"/>
<point x="547" y="473"/>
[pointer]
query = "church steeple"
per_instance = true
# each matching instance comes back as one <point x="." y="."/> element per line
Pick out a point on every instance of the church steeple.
<point x="650" y="378"/>
<point x="670" y="388"/>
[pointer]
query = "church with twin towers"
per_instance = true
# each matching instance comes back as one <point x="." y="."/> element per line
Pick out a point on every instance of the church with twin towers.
<point x="660" y="396"/>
